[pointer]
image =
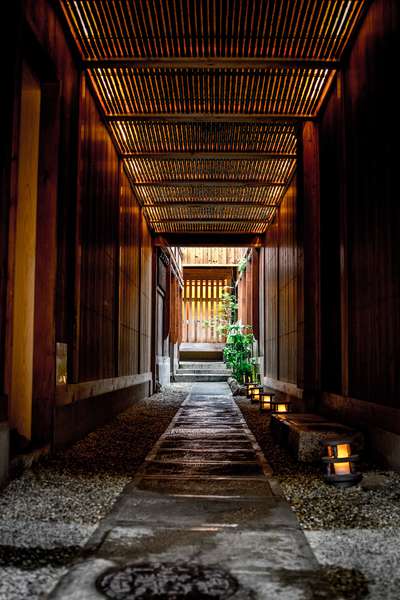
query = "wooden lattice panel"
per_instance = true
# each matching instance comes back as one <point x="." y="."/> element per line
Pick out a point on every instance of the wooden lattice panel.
<point x="203" y="98"/>
<point x="137" y="137"/>
<point x="205" y="28"/>
<point x="201" y="303"/>
<point x="141" y="90"/>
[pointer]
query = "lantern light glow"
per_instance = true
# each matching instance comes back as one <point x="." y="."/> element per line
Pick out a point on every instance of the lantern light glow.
<point x="340" y="463"/>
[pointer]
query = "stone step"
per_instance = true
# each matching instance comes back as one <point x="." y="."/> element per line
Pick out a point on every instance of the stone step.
<point x="200" y="371"/>
<point x="209" y="366"/>
<point x="204" y="377"/>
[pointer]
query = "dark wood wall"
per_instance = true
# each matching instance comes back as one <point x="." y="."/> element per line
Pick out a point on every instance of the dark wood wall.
<point x="129" y="280"/>
<point x="99" y="261"/>
<point x="280" y="275"/>
<point x="247" y="292"/>
<point x="99" y="197"/>
<point x="146" y="298"/>
<point x="360" y="218"/>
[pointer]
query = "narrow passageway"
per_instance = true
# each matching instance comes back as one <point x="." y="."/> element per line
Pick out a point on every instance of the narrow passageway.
<point x="202" y="519"/>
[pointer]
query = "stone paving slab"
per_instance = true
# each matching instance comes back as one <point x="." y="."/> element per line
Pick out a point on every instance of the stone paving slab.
<point x="218" y="454"/>
<point x="203" y="513"/>
<point x="192" y="444"/>
<point x="233" y="488"/>
<point x="209" y="469"/>
<point x="137" y="506"/>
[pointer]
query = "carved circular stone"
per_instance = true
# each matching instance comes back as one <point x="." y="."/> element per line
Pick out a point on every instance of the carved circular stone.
<point x="166" y="581"/>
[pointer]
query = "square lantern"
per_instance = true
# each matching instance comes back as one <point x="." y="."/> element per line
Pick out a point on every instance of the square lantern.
<point x="280" y="406"/>
<point x="340" y="463"/>
<point x="255" y="393"/>
<point x="265" y="400"/>
<point x="249" y="387"/>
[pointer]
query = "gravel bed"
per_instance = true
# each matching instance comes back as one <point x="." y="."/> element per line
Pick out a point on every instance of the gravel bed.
<point x="354" y="528"/>
<point x="48" y="514"/>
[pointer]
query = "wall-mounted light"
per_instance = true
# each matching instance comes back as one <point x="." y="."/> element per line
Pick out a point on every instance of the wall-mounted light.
<point x="340" y="463"/>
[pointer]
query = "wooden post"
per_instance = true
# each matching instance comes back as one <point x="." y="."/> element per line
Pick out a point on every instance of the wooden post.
<point x="78" y="242"/>
<point x="344" y="271"/>
<point x="310" y="208"/>
<point x="44" y="377"/>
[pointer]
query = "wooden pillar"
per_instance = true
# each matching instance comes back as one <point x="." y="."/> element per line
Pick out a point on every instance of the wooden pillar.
<point x="255" y="296"/>
<point x="344" y="270"/>
<point x="310" y="239"/>
<point x="44" y="377"/>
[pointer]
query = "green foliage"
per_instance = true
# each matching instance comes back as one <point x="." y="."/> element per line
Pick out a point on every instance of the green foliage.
<point x="242" y="264"/>
<point x="238" y="351"/>
<point x="227" y="313"/>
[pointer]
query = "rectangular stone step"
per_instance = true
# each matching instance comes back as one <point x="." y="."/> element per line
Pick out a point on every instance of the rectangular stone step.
<point x="202" y="371"/>
<point x="187" y="378"/>
<point x="209" y="366"/>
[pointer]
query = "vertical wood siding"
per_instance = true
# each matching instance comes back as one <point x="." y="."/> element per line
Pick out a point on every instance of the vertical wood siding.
<point x="367" y="161"/>
<point x="279" y="267"/>
<point x="202" y="295"/>
<point x="129" y="280"/>
<point x="145" y="298"/>
<point x="99" y="205"/>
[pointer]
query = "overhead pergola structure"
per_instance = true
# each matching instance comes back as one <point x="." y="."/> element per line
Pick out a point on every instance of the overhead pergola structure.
<point x="204" y="98"/>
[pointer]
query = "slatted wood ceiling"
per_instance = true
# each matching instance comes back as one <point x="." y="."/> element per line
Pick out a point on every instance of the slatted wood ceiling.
<point x="203" y="98"/>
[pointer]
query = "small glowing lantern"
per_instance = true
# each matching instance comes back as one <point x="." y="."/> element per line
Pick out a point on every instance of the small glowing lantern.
<point x="249" y="387"/>
<point x="280" y="406"/>
<point x="265" y="400"/>
<point x="340" y="463"/>
<point x="255" y="393"/>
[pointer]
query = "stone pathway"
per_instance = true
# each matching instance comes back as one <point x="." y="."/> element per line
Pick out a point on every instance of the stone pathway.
<point x="202" y="519"/>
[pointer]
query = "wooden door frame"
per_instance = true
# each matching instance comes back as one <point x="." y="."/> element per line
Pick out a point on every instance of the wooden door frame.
<point x="43" y="385"/>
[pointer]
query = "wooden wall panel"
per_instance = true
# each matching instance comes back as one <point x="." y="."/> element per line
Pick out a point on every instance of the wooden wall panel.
<point x="367" y="162"/>
<point x="202" y="295"/>
<point x="287" y="295"/>
<point x="373" y="219"/>
<point x="271" y="300"/>
<point x="332" y="190"/>
<point x="212" y="256"/>
<point x="280" y="291"/>
<point x="50" y="34"/>
<point x="145" y="298"/>
<point x="99" y="204"/>
<point x="129" y="280"/>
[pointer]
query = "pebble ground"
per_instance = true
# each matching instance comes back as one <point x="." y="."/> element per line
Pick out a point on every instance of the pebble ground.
<point x="48" y="514"/>
<point x="353" y="532"/>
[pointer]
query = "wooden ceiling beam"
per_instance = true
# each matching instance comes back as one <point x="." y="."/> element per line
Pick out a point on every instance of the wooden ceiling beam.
<point x="209" y="155"/>
<point x="212" y="63"/>
<point x="195" y="117"/>
<point x="240" y="183"/>
<point x="214" y="240"/>
<point x="196" y="204"/>
<point x="215" y="219"/>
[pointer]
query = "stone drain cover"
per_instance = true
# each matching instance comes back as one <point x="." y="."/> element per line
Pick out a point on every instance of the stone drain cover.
<point x="166" y="581"/>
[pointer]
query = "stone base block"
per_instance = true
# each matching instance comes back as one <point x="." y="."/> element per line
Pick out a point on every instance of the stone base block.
<point x="304" y="432"/>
